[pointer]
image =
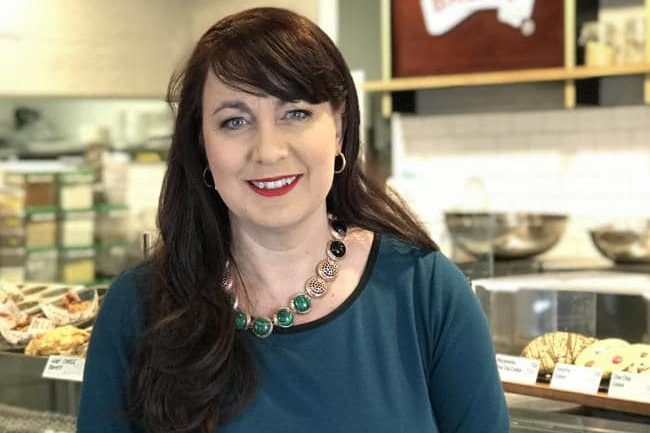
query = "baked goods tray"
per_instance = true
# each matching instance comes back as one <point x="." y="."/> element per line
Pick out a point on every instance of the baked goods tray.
<point x="599" y="400"/>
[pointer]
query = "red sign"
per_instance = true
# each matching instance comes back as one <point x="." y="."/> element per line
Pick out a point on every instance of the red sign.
<point x="433" y="37"/>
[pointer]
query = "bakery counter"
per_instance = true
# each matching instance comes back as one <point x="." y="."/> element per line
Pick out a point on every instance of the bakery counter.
<point x="22" y="385"/>
<point x="592" y="324"/>
<point x="529" y="420"/>
<point x="591" y="402"/>
<point x="22" y="388"/>
<point x="536" y="414"/>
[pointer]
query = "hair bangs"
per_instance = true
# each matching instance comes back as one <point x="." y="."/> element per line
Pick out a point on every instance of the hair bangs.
<point x="280" y="69"/>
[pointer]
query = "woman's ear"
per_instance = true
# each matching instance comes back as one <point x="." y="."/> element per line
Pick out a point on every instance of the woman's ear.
<point x="338" y="120"/>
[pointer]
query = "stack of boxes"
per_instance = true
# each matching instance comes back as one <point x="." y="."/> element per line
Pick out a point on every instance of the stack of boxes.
<point x="114" y="250"/>
<point x="28" y="228"/>
<point x="76" y="226"/>
<point x="51" y="230"/>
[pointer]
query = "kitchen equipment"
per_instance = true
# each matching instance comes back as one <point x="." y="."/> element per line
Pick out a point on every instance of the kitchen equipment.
<point x="505" y="235"/>
<point x="7" y="149"/>
<point x="623" y="244"/>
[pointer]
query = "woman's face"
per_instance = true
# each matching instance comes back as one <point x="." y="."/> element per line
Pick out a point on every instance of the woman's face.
<point x="272" y="160"/>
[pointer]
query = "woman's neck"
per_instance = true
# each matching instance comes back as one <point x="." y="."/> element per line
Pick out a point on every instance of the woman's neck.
<point x="274" y="264"/>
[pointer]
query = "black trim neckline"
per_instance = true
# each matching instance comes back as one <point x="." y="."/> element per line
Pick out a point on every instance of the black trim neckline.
<point x="363" y="281"/>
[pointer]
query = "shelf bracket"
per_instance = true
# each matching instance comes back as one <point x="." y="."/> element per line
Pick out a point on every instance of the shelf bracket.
<point x="570" y="51"/>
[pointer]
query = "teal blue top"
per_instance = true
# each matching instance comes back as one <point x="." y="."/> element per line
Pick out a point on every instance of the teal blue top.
<point x="409" y="351"/>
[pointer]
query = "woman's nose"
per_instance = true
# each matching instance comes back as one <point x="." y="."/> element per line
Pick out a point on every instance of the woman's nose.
<point x="270" y="144"/>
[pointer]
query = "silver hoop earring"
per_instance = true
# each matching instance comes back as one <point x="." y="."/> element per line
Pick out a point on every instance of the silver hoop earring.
<point x="206" y="170"/>
<point x="343" y="163"/>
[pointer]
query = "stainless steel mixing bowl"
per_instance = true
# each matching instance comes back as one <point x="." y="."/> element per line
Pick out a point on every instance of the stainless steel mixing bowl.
<point x="623" y="244"/>
<point x="506" y="235"/>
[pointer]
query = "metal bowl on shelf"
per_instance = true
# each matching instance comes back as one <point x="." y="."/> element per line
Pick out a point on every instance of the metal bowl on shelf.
<point x="505" y="235"/>
<point x="623" y="244"/>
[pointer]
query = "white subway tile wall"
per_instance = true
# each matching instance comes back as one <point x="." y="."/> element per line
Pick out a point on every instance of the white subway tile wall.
<point x="591" y="163"/>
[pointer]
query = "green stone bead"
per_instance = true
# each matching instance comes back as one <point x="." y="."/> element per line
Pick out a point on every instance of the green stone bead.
<point x="284" y="318"/>
<point x="241" y="320"/>
<point x="262" y="327"/>
<point x="302" y="303"/>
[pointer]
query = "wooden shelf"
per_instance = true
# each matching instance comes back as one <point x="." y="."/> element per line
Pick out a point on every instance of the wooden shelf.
<point x="600" y="400"/>
<point x="503" y="77"/>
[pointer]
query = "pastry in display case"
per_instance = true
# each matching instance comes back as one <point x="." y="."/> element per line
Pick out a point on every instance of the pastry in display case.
<point x="65" y="340"/>
<point x="556" y="347"/>
<point x="582" y="320"/>
<point x="39" y="322"/>
<point x="640" y="358"/>
<point x="608" y="355"/>
<point x="29" y="310"/>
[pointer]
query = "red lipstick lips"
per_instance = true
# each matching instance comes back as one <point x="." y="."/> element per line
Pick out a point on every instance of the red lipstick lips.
<point x="275" y="186"/>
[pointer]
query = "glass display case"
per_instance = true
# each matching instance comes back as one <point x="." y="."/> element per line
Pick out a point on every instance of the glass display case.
<point x="573" y="321"/>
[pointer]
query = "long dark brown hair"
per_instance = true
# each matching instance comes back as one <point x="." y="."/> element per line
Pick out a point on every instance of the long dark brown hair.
<point x="190" y="372"/>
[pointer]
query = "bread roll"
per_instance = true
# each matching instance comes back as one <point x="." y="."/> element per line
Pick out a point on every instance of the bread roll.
<point x="65" y="340"/>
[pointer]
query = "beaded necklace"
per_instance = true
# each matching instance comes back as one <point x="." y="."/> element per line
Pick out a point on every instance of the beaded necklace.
<point x="316" y="286"/>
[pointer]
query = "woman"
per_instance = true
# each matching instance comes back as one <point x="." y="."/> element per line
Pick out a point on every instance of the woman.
<point x="287" y="292"/>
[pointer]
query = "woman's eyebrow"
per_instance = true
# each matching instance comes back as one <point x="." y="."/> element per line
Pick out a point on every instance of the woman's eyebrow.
<point x="281" y="102"/>
<point x="239" y="105"/>
<point x="231" y="104"/>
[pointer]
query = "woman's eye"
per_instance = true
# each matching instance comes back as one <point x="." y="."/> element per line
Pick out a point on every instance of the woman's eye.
<point x="234" y="123"/>
<point x="299" y="114"/>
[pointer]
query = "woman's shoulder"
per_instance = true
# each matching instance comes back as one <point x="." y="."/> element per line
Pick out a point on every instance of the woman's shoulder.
<point x="126" y="290"/>
<point x="398" y="255"/>
<point x="401" y="250"/>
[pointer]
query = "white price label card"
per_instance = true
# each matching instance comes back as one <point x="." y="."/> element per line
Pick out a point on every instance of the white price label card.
<point x="64" y="368"/>
<point x="15" y="337"/>
<point x="630" y="386"/>
<point x="517" y="369"/>
<point x="40" y="325"/>
<point x="56" y="314"/>
<point x="576" y="378"/>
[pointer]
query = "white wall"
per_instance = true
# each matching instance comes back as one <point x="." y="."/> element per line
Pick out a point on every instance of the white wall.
<point x="204" y="13"/>
<point x="91" y="47"/>
<point x="109" y="48"/>
<point x="106" y="63"/>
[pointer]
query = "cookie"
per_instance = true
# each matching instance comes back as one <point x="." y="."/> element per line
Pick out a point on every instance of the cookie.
<point x="540" y="350"/>
<point x="556" y="347"/>
<point x="640" y="358"/>
<point x="608" y="355"/>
